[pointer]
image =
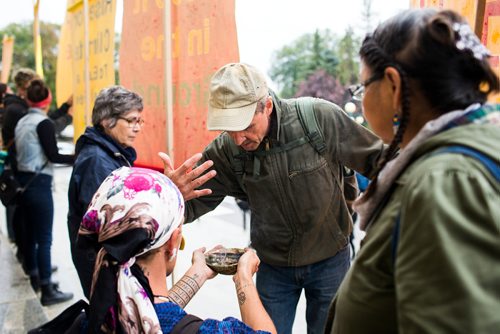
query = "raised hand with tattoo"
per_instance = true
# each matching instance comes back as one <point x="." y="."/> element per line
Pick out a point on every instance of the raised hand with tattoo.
<point x="252" y="311"/>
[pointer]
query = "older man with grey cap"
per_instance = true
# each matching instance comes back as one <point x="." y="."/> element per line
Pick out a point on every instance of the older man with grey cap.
<point x="300" y="219"/>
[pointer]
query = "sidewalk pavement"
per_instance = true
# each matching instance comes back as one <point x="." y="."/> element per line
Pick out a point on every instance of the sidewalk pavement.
<point x="20" y="309"/>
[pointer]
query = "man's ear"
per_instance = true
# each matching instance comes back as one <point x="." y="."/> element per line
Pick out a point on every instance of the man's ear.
<point x="269" y="105"/>
<point x="394" y="78"/>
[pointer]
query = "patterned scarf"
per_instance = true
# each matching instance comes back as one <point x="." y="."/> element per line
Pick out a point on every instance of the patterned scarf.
<point x="473" y="114"/>
<point x="134" y="211"/>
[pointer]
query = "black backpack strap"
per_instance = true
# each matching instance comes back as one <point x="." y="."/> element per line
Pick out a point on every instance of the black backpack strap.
<point x="310" y="124"/>
<point x="188" y="325"/>
<point x="238" y="159"/>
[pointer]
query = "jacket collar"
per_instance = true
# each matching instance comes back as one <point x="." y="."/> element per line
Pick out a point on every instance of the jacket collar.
<point x="274" y="130"/>
<point x="108" y="144"/>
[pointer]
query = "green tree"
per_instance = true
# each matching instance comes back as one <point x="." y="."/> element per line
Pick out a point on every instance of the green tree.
<point x="367" y="16"/>
<point x="23" y="47"/>
<point x="294" y="63"/>
<point x="322" y="50"/>
<point x="347" y="53"/>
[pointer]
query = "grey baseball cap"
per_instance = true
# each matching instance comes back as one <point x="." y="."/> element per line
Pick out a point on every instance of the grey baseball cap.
<point x="235" y="90"/>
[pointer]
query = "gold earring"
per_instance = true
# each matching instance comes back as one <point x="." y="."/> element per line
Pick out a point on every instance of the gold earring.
<point x="396" y="122"/>
<point x="484" y="87"/>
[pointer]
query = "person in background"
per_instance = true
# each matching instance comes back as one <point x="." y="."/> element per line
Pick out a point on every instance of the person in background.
<point x="104" y="147"/>
<point x="136" y="215"/>
<point x="3" y="91"/>
<point x="36" y="152"/>
<point x="16" y="106"/>
<point x="299" y="215"/>
<point x="63" y="116"/>
<point x="429" y="261"/>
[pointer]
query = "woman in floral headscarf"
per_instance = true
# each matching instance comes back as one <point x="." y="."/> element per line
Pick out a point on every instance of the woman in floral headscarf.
<point x="136" y="216"/>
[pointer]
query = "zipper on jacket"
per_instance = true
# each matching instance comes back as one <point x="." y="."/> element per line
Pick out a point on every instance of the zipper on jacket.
<point x="119" y="155"/>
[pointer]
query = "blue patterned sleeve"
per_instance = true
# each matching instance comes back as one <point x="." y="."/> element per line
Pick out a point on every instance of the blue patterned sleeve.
<point x="170" y="314"/>
<point x="228" y="325"/>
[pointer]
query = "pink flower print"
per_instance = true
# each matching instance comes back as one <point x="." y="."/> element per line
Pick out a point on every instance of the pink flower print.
<point x="157" y="188"/>
<point x="143" y="293"/>
<point x="139" y="181"/>
<point x="91" y="222"/>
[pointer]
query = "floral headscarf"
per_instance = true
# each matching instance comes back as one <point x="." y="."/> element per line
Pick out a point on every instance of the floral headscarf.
<point x="135" y="210"/>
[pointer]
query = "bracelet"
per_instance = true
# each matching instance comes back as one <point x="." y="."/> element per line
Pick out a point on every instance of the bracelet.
<point x="164" y="298"/>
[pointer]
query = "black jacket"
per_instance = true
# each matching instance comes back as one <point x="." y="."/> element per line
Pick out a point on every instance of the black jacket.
<point x="97" y="155"/>
<point x="15" y="109"/>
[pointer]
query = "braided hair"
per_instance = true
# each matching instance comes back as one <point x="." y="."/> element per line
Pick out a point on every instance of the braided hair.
<point x="424" y="45"/>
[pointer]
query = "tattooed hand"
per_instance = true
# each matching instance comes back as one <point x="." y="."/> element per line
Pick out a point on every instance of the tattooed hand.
<point x="200" y="264"/>
<point x="248" y="264"/>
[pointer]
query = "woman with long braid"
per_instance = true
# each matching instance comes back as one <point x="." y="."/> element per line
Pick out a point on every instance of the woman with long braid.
<point x="430" y="260"/>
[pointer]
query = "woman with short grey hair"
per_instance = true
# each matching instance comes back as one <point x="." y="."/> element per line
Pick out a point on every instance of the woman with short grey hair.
<point x="104" y="147"/>
<point x="114" y="102"/>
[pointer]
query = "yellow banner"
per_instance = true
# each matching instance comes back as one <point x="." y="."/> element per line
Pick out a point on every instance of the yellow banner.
<point x="76" y="22"/>
<point x="37" y="40"/>
<point x="100" y="50"/>
<point x="64" y="73"/>
<point x="7" y="52"/>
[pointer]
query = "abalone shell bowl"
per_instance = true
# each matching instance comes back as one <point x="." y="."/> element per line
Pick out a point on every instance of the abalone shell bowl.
<point x="224" y="260"/>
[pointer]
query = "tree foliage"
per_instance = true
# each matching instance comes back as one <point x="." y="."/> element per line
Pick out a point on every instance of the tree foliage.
<point x="24" y="52"/>
<point x="295" y="62"/>
<point x="321" y="84"/>
<point x="314" y="59"/>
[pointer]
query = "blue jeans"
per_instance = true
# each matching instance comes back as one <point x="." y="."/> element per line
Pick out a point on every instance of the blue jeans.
<point x="38" y="207"/>
<point x="280" y="288"/>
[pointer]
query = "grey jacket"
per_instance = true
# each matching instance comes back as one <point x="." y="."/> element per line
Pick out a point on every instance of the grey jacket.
<point x="30" y="154"/>
<point x="299" y="214"/>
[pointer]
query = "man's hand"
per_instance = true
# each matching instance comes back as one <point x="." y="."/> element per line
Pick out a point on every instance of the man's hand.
<point x="188" y="179"/>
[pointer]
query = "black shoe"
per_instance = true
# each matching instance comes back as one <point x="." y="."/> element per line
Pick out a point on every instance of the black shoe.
<point x="35" y="283"/>
<point x="52" y="295"/>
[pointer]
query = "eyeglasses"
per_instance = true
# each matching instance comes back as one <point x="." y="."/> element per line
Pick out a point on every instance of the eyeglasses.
<point x="133" y="122"/>
<point x="358" y="91"/>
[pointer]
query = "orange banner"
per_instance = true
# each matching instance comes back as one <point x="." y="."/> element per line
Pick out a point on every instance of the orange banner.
<point x="466" y="8"/>
<point x="203" y="39"/>
<point x="7" y="52"/>
<point x="491" y="35"/>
